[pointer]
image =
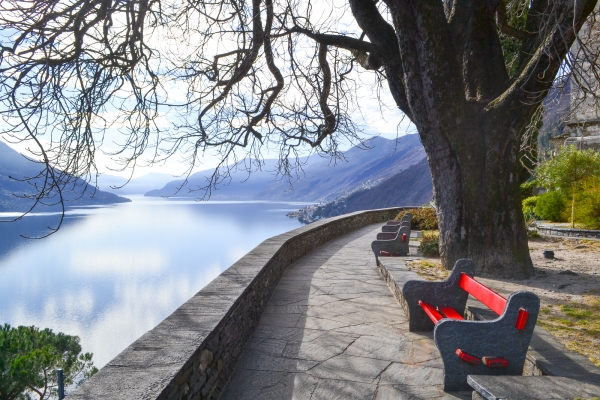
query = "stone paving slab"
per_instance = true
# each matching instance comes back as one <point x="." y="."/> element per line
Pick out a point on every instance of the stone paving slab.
<point x="531" y="388"/>
<point x="333" y="330"/>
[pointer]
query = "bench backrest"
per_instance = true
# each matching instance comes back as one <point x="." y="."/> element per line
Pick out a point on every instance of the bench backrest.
<point x="487" y="296"/>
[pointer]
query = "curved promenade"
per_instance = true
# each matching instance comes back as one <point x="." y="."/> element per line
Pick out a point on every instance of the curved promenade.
<point x="333" y="330"/>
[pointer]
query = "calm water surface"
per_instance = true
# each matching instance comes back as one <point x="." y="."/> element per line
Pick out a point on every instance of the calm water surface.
<point x="110" y="274"/>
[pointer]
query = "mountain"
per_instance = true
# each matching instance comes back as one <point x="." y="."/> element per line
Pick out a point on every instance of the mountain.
<point x="139" y="185"/>
<point x="15" y="165"/>
<point x="411" y="187"/>
<point x="365" y="166"/>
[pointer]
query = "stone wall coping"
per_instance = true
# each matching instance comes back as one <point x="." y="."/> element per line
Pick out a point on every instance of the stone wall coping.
<point x="192" y="352"/>
<point x="557" y="228"/>
<point x="551" y="230"/>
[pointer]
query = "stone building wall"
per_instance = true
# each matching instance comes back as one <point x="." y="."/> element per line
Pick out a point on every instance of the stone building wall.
<point x="585" y="86"/>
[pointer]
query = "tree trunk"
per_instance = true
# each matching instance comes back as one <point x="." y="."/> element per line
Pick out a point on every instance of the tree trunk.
<point x="476" y="188"/>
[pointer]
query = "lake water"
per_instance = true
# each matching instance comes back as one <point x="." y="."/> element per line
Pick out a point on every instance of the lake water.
<point x="110" y="274"/>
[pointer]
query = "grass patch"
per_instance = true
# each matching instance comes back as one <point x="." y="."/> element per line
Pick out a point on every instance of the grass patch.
<point x="430" y="270"/>
<point x="577" y="324"/>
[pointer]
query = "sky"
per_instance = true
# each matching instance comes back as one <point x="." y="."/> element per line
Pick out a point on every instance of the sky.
<point x="372" y="118"/>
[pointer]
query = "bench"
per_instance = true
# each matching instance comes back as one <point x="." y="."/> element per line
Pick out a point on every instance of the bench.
<point x="391" y="243"/>
<point x="496" y="347"/>
<point x="394" y="226"/>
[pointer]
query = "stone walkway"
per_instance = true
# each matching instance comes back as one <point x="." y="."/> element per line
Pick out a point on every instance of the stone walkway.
<point x="333" y="330"/>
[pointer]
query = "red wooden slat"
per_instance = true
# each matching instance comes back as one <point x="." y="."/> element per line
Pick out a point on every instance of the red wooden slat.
<point x="450" y="312"/>
<point x="495" y="362"/>
<point x="471" y="359"/>
<point x="521" y="319"/>
<point x="431" y="311"/>
<point x="482" y="293"/>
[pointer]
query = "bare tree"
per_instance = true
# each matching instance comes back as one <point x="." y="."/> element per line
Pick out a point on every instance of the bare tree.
<point x="281" y="76"/>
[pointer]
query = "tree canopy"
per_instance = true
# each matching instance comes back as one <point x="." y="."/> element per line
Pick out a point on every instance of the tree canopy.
<point x="247" y="77"/>
<point x="29" y="358"/>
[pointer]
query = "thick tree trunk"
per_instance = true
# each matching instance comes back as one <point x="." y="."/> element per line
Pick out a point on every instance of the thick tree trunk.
<point x="476" y="189"/>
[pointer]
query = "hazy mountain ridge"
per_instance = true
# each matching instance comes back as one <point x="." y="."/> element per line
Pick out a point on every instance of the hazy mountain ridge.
<point x="140" y="185"/>
<point x="321" y="180"/>
<point x="411" y="187"/>
<point x="15" y="165"/>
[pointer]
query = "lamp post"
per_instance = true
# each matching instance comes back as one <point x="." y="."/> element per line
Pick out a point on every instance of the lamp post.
<point x="61" y="384"/>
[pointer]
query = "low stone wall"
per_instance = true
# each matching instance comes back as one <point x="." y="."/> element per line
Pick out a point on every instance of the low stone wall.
<point x="192" y="353"/>
<point x="548" y="230"/>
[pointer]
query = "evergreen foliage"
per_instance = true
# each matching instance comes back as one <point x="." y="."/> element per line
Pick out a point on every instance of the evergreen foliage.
<point x="29" y="358"/>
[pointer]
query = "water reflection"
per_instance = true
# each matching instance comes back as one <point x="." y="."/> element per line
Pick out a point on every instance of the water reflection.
<point x="111" y="274"/>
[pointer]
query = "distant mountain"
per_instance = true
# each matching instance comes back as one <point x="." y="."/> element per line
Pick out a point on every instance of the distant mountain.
<point x="411" y="187"/>
<point x="140" y="185"/>
<point x="15" y="165"/>
<point x="322" y="180"/>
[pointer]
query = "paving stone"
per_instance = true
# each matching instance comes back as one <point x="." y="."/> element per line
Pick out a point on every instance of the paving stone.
<point x="267" y="346"/>
<point x="263" y="362"/>
<point x="343" y="390"/>
<point x="415" y="374"/>
<point x="532" y="387"/>
<point x="351" y="368"/>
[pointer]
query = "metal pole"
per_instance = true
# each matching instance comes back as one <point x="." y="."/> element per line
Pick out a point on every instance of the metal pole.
<point x="61" y="384"/>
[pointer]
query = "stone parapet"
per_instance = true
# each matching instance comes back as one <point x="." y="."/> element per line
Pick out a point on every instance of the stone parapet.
<point x="549" y="230"/>
<point x="193" y="352"/>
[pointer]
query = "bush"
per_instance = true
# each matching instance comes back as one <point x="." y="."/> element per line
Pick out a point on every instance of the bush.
<point x="551" y="206"/>
<point x="588" y="211"/>
<point x="430" y="243"/>
<point x="527" y="189"/>
<point x="529" y="205"/>
<point x="424" y="218"/>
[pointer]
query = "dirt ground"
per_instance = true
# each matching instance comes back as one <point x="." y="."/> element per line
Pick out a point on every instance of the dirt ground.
<point x="568" y="287"/>
<point x="569" y="277"/>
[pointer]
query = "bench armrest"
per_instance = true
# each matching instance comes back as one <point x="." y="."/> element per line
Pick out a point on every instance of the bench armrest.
<point x="496" y="338"/>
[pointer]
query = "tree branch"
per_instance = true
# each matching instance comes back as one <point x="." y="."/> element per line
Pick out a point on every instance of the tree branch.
<point x="341" y="41"/>
<point x="503" y="23"/>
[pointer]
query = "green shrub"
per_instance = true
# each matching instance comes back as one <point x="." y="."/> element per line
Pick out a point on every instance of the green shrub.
<point x="551" y="206"/>
<point x="588" y="211"/>
<point x="430" y="243"/>
<point x="529" y="205"/>
<point x="424" y="218"/>
<point x="527" y="189"/>
<point x="568" y="174"/>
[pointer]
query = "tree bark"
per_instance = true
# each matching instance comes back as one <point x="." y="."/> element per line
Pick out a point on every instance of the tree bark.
<point x="476" y="188"/>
